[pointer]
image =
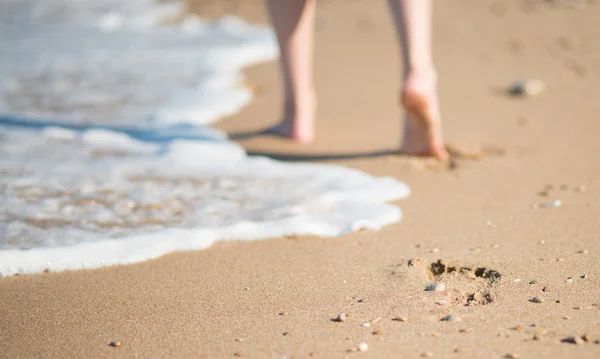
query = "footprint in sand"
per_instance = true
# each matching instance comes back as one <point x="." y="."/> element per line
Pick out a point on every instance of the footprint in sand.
<point x="466" y="285"/>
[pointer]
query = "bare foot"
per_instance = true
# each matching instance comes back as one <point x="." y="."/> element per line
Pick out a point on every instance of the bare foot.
<point x="422" y="128"/>
<point x="301" y="131"/>
<point x="298" y="124"/>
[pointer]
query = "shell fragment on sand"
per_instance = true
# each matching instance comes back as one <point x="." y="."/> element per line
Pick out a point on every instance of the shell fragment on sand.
<point x="452" y="318"/>
<point x="400" y="319"/>
<point x="342" y="317"/>
<point x="436" y="287"/>
<point x="525" y="88"/>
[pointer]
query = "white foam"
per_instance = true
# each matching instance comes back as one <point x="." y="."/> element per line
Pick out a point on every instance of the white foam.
<point x="106" y="158"/>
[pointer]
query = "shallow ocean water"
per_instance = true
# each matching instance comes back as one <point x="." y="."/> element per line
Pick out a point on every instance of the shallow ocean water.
<point x="107" y="156"/>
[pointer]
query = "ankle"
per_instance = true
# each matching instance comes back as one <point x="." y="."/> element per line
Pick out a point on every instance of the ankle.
<point x="299" y="106"/>
<point x="426" y="75"/>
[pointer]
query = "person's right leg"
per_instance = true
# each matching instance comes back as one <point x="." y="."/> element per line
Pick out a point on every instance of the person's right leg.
<point x="422" y="127"/>
<point x="294" y="22"/>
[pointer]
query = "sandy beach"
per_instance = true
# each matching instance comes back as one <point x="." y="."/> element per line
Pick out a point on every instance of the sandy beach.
<point x="511" y="230"/>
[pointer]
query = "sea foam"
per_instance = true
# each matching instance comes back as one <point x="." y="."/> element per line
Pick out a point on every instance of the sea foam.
<point x="106" y="153"/>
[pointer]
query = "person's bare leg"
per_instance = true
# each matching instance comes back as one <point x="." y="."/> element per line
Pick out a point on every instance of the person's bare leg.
<point x="422" y="128"/>
<point x="294" y="22"/>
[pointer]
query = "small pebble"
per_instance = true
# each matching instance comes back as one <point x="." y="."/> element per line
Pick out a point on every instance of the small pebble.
<point x="554" y="204"/>
<point x="363" y="300"/>
<point x="573" y="340"/>
<point x="580" y="188"/>
<point x="376" y="320"/>
<point x="427" y="355"/>
<point x="527" y="88"/>
<point x="495" y="245"/>
<point x="239" y="340"/>
<point x="460" y="350"/>
<point x="519" y="328"/>
<point x="577" y="308"/>
<point x="312" y="354"/>
<point x="542" y="242"/>
<point x="366" y="325"/>
<point x="558" y="301"/>
<point x="377" y="332"/>
<point x="246" y="288"/>
<point x="283" y="313"/>
<point x="400" y="319"/>
<point x="583" y="251"/>
<point x="597" y="341"/>
<point x="545" y="289"/>
<point x="435" y="250"/>
<point x="533" y="282"/>
<point x="363" y="347"/>
<point x="585" y="338"/>
<point x="536" y="337"/>
<point x="516" y="280"/>
<point x="569" y="280"/>
<point x="341" y="317"/>
<point x="537" y="300"/>
<point x="566" y="317"/>
<point x="115" y="344"/>
<point x="237" y="354"/>
<point x="560" y="259"/>
<point x="583" y="276"/>
<point x="512" y="356"/>
<point x="466" y="330"/>
<point x="452" y="318"/>
<point x="436" y="287"/>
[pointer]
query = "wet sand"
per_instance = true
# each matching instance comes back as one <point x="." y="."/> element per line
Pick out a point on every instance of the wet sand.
<point x="485" y="219"/>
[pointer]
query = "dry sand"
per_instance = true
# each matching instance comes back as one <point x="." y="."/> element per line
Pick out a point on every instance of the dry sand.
<point x="226" y="301"/>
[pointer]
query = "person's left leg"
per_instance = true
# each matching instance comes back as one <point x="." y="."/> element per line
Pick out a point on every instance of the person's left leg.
<point x="294" y="22"/>
<point x="423" y="124"/>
